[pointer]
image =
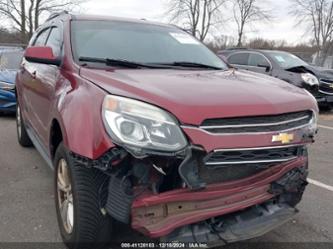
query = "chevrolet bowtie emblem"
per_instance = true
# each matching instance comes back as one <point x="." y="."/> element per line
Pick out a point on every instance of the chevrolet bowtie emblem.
<point x="284" y="138"/>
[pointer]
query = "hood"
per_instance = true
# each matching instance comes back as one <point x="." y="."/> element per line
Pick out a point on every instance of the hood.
<point x="8" y="76"/>
<point x="193" y="96"/>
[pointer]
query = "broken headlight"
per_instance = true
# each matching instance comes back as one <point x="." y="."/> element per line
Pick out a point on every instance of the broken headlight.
<point x="141" y="126"/>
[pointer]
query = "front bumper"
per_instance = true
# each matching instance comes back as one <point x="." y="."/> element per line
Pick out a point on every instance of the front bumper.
<point x="324" y="95"/>
<point x="7" y="101"/>
<point x="159" y="215"/>
<point x="194" y="195"/>
<point x="251" y="223"/>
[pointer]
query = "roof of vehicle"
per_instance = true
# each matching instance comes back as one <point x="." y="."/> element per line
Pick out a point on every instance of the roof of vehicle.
<point x="113" y="18"/>
<point x="104" y="18"/>
<point x="231" y="50"/>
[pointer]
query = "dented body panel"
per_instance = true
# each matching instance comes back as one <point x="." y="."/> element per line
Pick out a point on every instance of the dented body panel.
<point x="156" y="216"/>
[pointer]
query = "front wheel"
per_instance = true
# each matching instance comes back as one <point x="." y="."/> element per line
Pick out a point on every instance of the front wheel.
<point x="77" y="194"/>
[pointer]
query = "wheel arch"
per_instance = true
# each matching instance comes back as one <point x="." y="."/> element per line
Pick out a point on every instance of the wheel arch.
<point x="56" y="137"/>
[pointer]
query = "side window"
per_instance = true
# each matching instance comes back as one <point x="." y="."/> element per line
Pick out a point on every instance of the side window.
<point x="239" y="59"/>
<point x="41" y="38"/>
<point x="54" y="41"/>
<point x="258" y="60"/>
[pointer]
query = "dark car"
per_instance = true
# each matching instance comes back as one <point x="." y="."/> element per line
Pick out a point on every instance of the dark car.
<point x="144" y="125"/>
<point x="287" y="67"/>
<point x="10" y="59"/>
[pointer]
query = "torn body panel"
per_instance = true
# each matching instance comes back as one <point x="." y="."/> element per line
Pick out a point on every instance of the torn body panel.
<point x="158" y="215"/>
<point x="163" y="194"/>
<point x="247" y="224"/>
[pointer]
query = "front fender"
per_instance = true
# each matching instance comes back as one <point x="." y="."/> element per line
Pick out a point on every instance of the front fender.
<point x="80" y="111"/>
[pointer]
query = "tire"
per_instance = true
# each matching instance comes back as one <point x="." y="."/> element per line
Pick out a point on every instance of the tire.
<point x="22" y="135"/>
<point x="88" y="228"/>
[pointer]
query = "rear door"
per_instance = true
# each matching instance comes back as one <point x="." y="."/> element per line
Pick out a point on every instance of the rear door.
<point x="47" y="77"/>
<point x="30" y="81"/>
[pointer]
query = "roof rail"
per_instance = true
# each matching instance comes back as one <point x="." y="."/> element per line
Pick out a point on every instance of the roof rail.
<point x="55" y="15"/>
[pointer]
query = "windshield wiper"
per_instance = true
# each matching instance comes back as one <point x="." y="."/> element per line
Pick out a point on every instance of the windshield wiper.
<point x="190" y="64"/>
<point x="118" y="62"/>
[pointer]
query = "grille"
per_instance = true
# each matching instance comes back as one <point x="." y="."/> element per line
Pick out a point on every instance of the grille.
<point x="213" y="175"/>
<point x="228" y="165"/>
<point x="257" y="124"/>
<point x="326" y="86"/>
<point x="259" y="157"/>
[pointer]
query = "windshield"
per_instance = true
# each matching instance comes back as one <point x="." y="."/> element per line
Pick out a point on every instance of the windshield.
<point x="286" y="60"/>
<point x="10" y="60"/>
<point x="140" y="43"/>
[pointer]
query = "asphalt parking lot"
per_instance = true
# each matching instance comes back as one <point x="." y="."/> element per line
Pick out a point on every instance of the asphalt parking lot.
<point x="27" y="212"/>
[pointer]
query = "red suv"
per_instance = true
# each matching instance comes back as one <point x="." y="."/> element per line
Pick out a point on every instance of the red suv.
<point x="144" y="125"/>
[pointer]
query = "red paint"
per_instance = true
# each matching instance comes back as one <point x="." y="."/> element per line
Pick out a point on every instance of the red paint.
<point x="193" y="96"/>
<point x="39" y="53"/>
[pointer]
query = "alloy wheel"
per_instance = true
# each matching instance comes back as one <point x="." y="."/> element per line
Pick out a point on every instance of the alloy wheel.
<point x="65" y="196"/>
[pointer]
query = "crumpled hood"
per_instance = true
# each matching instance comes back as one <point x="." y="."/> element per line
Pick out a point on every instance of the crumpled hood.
<point x="193" y="96"/>
<point x="320" y="72"/>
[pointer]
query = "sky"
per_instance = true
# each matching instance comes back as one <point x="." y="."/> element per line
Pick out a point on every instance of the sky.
<point x="282" y="27"/>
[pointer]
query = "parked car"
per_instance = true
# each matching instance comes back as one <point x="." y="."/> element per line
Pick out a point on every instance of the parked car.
<point x="9" y="64"/>
<point x="287" y="67"/>
<point x="144" y="125"/>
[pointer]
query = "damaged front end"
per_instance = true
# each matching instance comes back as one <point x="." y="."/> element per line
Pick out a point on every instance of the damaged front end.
<point x="221" y="205"/>
<point x="227" y="180"/>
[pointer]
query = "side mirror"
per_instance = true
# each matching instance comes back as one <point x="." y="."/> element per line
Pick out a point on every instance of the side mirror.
<point x="267" y="67"/>
<point x="43" y="55"/>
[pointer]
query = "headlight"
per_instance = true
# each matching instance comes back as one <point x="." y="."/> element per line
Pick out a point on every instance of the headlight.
<point x="141" y="126"/>
<point x="314" y="122"/>
<point x="6" y="86"/>
<point x="310" y="79"/>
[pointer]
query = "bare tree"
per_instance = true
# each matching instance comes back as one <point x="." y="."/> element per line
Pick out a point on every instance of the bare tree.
<point x="198" y="16"/>
<point x="25" y="14"/>
<point x="318" y="15"/>
<point x="247" y="12"/>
